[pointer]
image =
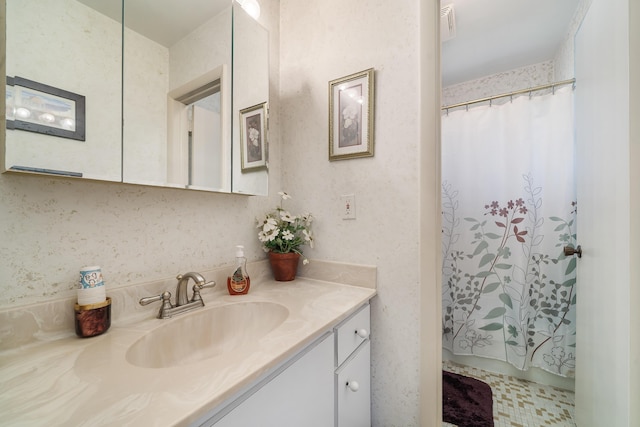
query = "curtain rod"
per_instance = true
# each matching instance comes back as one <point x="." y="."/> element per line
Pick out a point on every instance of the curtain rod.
<point x="504" y="95"/>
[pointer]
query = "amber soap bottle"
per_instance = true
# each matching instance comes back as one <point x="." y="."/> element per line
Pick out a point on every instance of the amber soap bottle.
<point x="238" y="283"/>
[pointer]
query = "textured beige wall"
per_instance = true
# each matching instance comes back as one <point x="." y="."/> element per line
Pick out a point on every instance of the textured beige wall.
<point x="496" y="84"/>
<point x="322" y="41"/>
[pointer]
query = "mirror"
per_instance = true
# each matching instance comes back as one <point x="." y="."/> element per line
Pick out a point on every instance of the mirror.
<point x="59" y="49"/>
<point x="250" y="173"/>
<point x="177" y="93"/>
<point x="168" y="114"/>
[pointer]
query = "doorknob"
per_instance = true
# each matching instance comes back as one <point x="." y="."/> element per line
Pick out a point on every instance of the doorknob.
<point x="568" y="251"/>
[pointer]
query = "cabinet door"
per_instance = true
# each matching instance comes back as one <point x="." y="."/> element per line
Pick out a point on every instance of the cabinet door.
<point x="302" y="395"/>
<point x="353" y="388"/>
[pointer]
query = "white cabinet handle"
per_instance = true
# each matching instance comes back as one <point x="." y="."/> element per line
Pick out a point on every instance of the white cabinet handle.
<point x="363" y="333"/>
<point x="353" y="385"/>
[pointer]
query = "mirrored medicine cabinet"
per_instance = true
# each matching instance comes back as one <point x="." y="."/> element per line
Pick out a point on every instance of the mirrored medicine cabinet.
<point x="173" y="95"/>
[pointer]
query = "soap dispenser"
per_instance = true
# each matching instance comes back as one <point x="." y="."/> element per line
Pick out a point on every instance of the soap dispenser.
<point x="239" y="282"/>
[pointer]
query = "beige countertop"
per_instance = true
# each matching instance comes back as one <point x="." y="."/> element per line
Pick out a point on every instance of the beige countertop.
<point x="88" y="382"/>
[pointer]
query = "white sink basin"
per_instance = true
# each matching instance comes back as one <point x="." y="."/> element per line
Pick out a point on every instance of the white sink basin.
<point x="205" y="333"/>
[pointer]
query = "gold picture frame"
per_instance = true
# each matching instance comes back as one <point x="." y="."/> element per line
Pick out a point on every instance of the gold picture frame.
<point x="253" y="137"/>
<point x="351" y="116"/>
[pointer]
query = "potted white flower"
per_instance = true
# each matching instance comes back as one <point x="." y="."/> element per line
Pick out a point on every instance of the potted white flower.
<point x="282" y="234"/>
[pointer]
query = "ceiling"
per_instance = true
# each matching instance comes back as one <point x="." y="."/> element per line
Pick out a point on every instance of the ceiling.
<point x="493" y="36"/>
<point x="164" y="21"/>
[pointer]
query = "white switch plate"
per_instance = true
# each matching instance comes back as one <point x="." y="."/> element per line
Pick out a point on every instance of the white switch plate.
<point x="348" y="203"/>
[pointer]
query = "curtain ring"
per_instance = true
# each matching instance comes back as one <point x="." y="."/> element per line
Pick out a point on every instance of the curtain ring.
<point x="467" y="107"/>
<point x="553" y="89"/>
<point x="491" y="102"/>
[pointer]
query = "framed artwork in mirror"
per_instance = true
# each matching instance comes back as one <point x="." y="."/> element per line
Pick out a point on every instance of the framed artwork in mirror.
<point x="36" y="107"/>
<point x="351" y="112"/>
<point x="253" y="141"/>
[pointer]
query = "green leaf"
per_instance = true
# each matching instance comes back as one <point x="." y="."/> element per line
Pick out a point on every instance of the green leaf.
<point x="503" y="266"/>
<point x="560" y="227"/>
<point x="484" y="274"/>
<point x="571" y="266"/>
<point x="471" y="219"/>
<point x="481" y="246"/>
<point x="492" y="327"/>
<point x="510" y="342"/>
<point x="490" y="287"/>
<point x="555" y="218"/>
<point x="487" y="258"/>
<point x="496" y="312"/>
<point x="492" y="235"/>
<point x="506" y="299"/>
<point x="569" y="283"/>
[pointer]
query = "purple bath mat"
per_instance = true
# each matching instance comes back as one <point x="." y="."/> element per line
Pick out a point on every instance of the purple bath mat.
<point x="466" y="402"/>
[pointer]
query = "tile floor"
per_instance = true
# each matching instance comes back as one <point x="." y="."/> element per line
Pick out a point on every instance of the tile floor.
<point x="519" y="403"/>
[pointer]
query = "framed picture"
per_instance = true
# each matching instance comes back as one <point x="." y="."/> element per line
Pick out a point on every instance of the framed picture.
<point x="351" y="116"/>
<point x="36" y="107"/>
<point x="253" y="141"/>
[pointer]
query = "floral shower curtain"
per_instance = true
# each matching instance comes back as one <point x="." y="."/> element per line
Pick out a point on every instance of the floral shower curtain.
<point x="508" y="209"/>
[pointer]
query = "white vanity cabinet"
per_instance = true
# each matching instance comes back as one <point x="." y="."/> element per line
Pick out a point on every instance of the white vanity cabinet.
<point x="353" y="371"/>
<point x="326" y="384"/>
<point x="300" y="393"/>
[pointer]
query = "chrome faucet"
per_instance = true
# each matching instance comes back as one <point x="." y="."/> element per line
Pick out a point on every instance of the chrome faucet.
<point x="183" y="303"/>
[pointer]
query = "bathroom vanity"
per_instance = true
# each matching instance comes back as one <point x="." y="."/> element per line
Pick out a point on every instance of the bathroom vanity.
<point x="327" y="382"/>
<point x="301" y="357"/>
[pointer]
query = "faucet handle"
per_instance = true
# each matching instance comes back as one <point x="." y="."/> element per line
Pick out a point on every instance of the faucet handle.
<point x="196" y="290"/>
<point x="210" y="284"/>
<point x="165" y="297"/>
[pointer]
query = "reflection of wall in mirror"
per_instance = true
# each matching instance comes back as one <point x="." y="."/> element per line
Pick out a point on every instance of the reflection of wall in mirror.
<point x="250" y="87"/>
<point x="146" y="79"/>
<point x="77" y="58"/>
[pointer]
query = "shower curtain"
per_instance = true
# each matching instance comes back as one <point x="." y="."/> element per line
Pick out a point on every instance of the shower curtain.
<point x="508" y="210"/>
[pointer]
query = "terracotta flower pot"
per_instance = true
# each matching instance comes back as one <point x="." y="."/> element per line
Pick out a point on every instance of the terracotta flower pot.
<point x="284" y="266"/>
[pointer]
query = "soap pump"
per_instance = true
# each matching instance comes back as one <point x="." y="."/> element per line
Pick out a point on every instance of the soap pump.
<point x="238" y="283"/>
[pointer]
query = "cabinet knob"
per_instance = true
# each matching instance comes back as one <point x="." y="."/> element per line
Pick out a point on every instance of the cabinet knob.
<point x="362" y="333"/>
<point x="353" y="385"/>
